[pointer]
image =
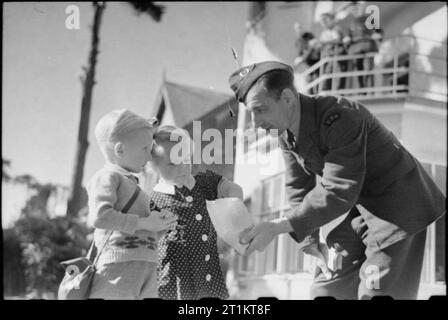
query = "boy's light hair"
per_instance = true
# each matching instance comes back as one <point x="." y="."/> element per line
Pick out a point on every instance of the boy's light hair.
<point x="115" y="125"/>
<point x="171" y="135"/>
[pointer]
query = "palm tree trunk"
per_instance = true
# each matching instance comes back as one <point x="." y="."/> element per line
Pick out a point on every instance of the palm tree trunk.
<point x="74" y="201"/>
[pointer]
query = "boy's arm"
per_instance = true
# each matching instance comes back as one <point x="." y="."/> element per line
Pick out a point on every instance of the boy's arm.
<point x="229" y="189"/>
<point x="102" y="193"/>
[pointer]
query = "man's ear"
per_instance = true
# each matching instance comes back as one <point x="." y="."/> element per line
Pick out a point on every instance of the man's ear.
<point x="118" y="149"/>
<point x="288" y="96"/>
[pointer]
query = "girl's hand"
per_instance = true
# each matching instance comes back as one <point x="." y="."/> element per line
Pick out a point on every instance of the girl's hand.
<point x="166" y="214"/>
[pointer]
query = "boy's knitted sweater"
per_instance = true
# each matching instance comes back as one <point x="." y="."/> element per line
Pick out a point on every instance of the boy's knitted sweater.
<point x="109" y="190"/>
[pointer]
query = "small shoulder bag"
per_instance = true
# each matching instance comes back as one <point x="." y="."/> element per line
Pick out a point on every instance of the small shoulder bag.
<point x="79" y="272"/>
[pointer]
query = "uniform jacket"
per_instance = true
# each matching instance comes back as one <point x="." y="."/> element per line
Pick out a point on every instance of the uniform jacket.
<point x="361" y="163"/>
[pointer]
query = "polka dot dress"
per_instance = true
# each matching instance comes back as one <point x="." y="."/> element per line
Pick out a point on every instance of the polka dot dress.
<point x="189" y="266"/>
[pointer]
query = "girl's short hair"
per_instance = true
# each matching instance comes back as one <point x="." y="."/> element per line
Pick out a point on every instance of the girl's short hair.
<point x="171" y="135"/>
<point x="115" y="125"/>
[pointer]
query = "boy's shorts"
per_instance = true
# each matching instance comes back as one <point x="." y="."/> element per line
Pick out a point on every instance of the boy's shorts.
<point x="131" y="280"/>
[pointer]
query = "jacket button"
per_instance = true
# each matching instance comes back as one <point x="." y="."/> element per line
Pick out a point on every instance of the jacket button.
<point x="204" y="237"/>
<point x="207" y="257"/>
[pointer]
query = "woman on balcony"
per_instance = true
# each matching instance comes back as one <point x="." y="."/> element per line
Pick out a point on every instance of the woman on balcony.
<point x="361" y="40"/>
<point x="332" y="45"/>
<point x="308" y="53"/>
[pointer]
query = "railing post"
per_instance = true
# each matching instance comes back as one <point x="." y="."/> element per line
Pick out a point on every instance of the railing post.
<point x="410" y="69"/>
<point x="394" y="72"/>
<point x="321" y="74"/>
<point x="412" y="57"/>
<point x="333" y="70"/>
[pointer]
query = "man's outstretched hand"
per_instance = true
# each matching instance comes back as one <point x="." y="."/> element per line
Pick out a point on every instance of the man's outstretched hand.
<point x="262" y="234"/>
<point x="258" y="237"/>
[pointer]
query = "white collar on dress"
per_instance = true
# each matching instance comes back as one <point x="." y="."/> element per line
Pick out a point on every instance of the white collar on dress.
<point x="165" y="187"/>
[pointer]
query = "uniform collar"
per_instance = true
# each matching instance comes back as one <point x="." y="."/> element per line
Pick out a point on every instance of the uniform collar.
<point x="124" y="172"/>
<point x="308" y="133"/>
<point x="295" y="127"/>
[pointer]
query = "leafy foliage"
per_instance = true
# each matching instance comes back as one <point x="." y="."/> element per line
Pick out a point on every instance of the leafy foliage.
<point x="46" y="242"/>
<point x="36" y="244"/>
<point x="13" y="271"/>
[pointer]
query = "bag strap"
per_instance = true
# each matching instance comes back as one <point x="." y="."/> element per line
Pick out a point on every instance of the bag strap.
<point x="109" y="232"/>
<point x="131" y="201"/>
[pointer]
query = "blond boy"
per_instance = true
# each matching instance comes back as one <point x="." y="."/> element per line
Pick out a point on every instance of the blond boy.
<point x="127" y="266"/>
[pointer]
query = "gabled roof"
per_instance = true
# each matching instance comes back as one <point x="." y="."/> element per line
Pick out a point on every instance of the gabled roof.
<point x="188" y="103"/>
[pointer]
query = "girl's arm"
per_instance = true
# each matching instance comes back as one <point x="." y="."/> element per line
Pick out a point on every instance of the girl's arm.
<point x="229" y="189"/>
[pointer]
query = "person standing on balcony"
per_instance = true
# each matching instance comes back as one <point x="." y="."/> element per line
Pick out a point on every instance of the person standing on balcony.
<point x="331" y="44"/>
<point x="308" y="53"/>
<point x="361" y="40"/>
<point x="364" y="170"/>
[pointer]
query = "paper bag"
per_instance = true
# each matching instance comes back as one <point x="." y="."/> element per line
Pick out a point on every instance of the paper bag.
<point x="229" y="217"/>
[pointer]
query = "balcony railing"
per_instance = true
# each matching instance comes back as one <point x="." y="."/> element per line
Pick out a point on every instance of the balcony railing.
<point x="410" y="67"/>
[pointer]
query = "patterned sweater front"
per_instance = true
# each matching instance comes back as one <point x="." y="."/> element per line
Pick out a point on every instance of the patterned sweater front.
<point x="109" y="190"/>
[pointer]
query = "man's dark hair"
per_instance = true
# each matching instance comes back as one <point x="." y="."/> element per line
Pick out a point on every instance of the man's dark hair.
<point x="275" y="82"/>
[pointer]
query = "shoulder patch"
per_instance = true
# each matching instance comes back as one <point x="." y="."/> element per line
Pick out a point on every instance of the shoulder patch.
<point x="331" y="118"/>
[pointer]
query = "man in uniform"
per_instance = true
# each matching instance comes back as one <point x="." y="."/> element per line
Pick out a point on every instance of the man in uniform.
<point x="363" y="169"/>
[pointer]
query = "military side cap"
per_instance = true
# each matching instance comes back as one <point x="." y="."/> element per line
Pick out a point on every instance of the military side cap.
<point x="244" y="78"/>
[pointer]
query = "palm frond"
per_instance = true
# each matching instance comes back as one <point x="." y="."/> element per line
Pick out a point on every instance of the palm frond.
<point x="154" y="10"/>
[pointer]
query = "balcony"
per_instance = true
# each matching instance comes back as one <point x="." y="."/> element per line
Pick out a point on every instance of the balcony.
<point x="405" y="66"/>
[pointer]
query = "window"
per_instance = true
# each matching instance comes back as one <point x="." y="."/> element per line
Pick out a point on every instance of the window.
<point x="282" y="254"/>
<point x="247" y="120"/>
<point x="268" y="258"/>
<point x="440" y="179"/>
<point x="294" y="259"/>
<point x="277" y="186"/>
<point x="440" y="249"/>
<point x="434" y="261"/>
<point x="246" y="264"/>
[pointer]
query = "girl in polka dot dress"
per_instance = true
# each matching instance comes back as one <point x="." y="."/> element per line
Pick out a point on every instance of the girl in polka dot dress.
<point x="189" y="265"/>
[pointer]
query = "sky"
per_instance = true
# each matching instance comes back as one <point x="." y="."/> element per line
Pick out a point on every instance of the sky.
<point x="42" y="62"/>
